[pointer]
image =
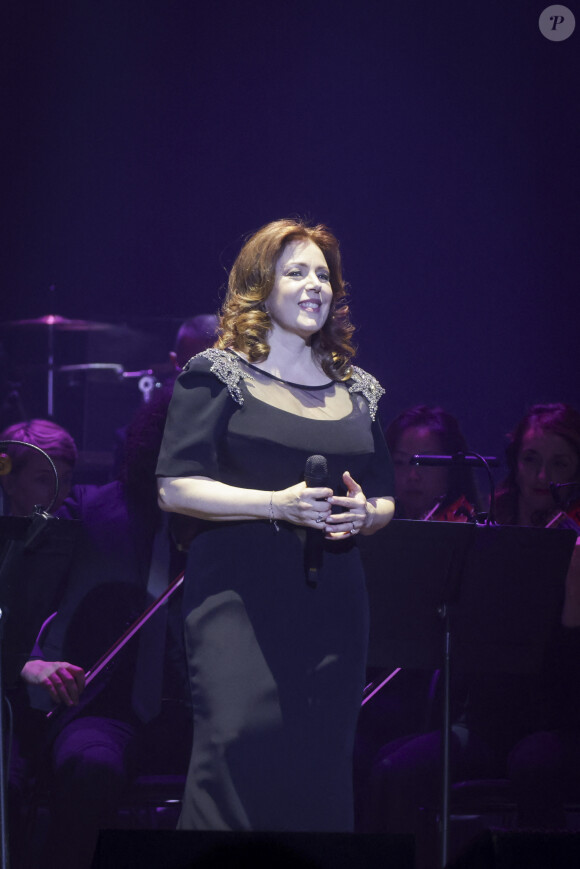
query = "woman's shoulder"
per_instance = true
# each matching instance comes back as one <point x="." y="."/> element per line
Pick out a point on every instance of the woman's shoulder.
<point x="215" y="364"/>
<point x="368" y="386"/>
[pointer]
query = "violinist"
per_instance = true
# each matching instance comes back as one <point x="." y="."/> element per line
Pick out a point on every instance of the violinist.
<point x="136" y="712"/>
<point x="519" y="727"/>
<point x="543" y="461"/>
<point x="542" y="488"/>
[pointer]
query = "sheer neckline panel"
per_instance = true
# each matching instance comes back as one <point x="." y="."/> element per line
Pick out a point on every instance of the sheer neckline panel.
<point x="330" y="401"/>
<point x="280" y="379"/>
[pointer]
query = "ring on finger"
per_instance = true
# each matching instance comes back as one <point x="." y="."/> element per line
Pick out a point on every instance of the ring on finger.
<point x="353" y="529"/>
<point x="320" y="518"/>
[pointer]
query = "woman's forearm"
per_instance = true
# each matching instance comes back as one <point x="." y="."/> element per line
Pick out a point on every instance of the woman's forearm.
<point x="205" y="498"/>
<point x="209" y="499"/>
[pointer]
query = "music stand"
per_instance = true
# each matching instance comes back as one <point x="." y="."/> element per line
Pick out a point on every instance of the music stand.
<point x="491" y="594"/>
<point x="34" y="554"/>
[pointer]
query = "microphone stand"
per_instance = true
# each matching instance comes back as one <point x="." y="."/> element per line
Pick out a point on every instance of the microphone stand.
<point x="467" y="459"/>
<point x="473" y="460"/>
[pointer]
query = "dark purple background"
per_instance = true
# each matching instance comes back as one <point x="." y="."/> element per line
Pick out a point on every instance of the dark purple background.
<point x="440" y="142"/>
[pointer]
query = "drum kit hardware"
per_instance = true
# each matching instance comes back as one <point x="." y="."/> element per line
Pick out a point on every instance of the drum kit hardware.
<point x="116" y="368"/>
<point x="147" y="378"/>
<point x="59" y="324"/>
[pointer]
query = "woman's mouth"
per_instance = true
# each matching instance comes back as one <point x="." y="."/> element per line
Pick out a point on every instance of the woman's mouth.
<point x="310" y="305"/>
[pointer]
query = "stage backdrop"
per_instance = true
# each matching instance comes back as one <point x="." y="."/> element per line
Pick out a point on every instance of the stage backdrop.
<point x="440" y="142"/>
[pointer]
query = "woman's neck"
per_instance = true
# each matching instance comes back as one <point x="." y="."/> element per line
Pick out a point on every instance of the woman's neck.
<point x="293" y="360"/>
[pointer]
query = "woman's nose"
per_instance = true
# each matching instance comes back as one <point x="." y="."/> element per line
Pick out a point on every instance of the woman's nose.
<point x="313" y="283"/>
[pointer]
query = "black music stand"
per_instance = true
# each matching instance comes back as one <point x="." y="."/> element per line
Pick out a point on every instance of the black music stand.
<point x="488" y="596"/>
<point x="34" y="555"/>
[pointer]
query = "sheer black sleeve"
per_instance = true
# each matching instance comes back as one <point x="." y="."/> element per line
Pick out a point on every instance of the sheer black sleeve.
<point x="380" y="481"/>
<point x="197" y="417"/>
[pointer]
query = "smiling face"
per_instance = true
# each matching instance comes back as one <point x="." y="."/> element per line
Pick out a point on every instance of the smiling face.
<point x="417" y="488"/>
<point x="544" y="457"/>
<point x="301" y="296"/>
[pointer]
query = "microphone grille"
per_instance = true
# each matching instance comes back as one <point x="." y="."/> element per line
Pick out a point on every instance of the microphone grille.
<point x="316" y="471"/>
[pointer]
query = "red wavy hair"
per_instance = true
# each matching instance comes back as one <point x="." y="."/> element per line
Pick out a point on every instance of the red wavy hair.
<point x="244" y="322"/>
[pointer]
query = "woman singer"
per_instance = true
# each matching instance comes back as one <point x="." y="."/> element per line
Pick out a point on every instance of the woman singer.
<point x="275" y="603"/>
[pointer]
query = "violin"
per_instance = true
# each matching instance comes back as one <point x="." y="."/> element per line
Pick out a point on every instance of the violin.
<point x="61" y="715"/>
<point x="459" y="510"/>
<point x="567" y="517"/>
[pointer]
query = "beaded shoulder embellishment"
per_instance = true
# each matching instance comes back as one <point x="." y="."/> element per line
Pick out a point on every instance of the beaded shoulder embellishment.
<point x="368" y="386"/>
<point x="226" y="367"/>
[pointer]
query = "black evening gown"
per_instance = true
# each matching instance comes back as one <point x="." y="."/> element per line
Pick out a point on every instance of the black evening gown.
<point x="276" y="665"/>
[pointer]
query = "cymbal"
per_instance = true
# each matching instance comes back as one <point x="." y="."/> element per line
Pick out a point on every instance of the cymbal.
<point x="61" y="324"/>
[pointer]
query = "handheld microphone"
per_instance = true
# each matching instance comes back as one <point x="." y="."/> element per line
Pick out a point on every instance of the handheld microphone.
<point x="315" y="474"/>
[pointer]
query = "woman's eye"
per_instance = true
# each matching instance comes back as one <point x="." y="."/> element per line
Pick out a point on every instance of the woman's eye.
<point x="324" y="276"/>
<point x="294" y="273"/>
<point x="562" y="463"/>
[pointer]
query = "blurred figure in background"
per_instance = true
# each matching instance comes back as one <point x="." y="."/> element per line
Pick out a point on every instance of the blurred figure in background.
<point x="31" y="480"/>
<point x="194" y="335"/>
<point x="543" y="466"/>
<point x="421" y="490"/>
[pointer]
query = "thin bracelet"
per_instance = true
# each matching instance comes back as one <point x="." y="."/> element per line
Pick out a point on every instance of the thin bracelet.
<point x="272" y="518"/>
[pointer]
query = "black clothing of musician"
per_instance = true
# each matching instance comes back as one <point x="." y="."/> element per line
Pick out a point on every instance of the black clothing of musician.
<point x="88" y="752"/>
<point x="276" y="664"/>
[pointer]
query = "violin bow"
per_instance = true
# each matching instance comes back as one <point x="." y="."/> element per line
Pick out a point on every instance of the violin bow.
<point x="133" y="628"/>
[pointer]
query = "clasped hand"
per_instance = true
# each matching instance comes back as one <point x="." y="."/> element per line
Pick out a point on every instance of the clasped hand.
<point x="64" y="682"/>
<point x="312" y="506"/>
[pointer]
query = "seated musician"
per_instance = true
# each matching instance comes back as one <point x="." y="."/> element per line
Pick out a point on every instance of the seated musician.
<point x="90" y="747"/>
<point x="542" y="487"/>
<point x="525" y="728"/>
